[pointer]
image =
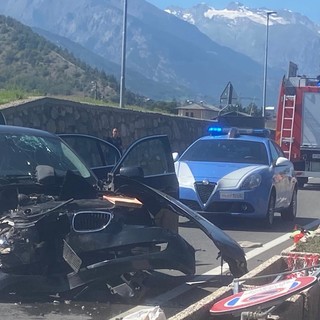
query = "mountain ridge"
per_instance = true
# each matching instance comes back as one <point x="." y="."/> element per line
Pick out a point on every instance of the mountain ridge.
<point x="179" y="53"/>
<point x="30" y="62"/>
<point x="291" y="34"/>
<point x="163" y="48"/>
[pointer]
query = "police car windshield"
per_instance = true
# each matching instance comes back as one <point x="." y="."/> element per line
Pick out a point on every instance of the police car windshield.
<point x="228" y="150"/>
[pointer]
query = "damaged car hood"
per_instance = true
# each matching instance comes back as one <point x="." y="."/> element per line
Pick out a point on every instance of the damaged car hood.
<point x="230" y="250"/>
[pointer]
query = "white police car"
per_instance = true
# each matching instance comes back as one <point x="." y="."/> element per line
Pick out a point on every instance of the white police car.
<point x="239" y="172"/>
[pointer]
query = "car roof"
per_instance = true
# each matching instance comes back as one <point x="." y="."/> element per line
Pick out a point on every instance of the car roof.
<point x="25" y="130"/>
<point x="239" y="137"/>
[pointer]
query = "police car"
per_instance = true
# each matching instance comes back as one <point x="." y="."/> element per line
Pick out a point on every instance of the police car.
<point x="240" y="172"/>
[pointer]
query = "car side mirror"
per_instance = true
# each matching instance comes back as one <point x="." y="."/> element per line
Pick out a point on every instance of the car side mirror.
<point x="175" y="156"/>
<point x="132" y="172"/>
<point x="281" y="161"/>
<point x="45" y="175"/>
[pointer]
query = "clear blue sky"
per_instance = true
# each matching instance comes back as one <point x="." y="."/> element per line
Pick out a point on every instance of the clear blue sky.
<point x="310" y="8"/>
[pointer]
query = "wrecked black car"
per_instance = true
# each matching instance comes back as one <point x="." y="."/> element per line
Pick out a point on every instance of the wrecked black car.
<point x="61" y="228"/>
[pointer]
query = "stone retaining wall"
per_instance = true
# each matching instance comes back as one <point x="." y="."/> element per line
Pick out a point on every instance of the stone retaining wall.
<point x="63" y="116"/>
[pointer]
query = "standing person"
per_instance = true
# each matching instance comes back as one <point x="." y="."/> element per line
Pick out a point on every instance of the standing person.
<point x="115" y="139"/>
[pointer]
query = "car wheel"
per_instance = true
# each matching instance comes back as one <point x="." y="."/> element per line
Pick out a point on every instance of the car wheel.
<point x="269" y="218"/>
<point x="290" y="213"/>
<point x="302" y="182"/>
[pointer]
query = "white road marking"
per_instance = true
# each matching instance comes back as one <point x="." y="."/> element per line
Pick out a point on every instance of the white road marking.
<point x="175" y="292"/>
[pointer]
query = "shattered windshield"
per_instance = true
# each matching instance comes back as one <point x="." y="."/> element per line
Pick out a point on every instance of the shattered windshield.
<point x="20" y="154"/>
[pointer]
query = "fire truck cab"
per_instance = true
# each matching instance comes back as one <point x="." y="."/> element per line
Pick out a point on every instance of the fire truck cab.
<point x="298" y="124"/>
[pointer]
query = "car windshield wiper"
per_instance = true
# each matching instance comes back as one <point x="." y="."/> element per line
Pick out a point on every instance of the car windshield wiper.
<point x="11" y="178"/>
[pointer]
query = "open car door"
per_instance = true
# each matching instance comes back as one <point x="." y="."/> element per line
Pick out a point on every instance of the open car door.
<point x="99" y="155"/>
<point x="150" y="161"/>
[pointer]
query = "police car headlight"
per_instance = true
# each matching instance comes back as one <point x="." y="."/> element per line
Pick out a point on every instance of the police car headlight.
<point x="251" y="182"/>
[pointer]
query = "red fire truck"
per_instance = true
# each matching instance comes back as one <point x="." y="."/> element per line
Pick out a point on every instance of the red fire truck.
<point x="298" y="124"/>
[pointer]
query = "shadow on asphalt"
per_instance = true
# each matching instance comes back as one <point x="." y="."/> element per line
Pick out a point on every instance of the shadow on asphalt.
<point x="242" y="224"/>
<point x="155" y="283"/>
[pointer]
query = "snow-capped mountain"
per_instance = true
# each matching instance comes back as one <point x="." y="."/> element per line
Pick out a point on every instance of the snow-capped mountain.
<point x="292" y="36"/>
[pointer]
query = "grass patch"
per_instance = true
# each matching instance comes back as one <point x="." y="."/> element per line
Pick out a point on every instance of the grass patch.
<point x="12" y="95"/>
<point x="312" y="245"/>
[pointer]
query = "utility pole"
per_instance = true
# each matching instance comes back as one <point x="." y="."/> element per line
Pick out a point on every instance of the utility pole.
<point x="266" y="64"/>
<point x="123" y="56"/>
<point x="95" y="88"/>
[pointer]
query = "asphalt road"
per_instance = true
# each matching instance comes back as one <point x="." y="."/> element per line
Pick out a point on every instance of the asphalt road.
<point x="171" y="290"/>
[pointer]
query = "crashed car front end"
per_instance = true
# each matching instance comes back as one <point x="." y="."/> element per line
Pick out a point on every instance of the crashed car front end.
<point x="61" y="228"/>
<point x="87" y="240"/>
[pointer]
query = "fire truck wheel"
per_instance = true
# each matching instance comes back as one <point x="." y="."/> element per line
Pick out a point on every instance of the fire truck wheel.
<point x="290" y="213"/>
<point x="269" y="218"/>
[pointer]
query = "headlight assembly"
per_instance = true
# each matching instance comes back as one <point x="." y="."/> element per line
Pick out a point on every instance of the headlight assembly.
<point x="251" y="182"/>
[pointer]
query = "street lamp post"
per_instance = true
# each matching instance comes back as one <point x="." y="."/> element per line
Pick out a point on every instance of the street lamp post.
<point x="123" y="56"/>
<point x="266" y="64"/>
<point x="95" y="89"/>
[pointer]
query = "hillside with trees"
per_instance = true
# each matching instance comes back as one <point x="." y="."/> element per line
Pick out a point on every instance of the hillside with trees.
<point x="31" y="63"/>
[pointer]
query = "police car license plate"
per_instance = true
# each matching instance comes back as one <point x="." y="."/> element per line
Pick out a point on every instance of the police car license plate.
<point x="231" y="195"/>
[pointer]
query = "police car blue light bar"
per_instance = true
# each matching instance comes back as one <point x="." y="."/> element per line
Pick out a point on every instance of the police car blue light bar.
<point x="216" y="131"/>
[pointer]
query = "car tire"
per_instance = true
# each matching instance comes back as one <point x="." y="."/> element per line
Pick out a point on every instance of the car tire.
<point x="302" y="182"/>
<point x="269" y="218"/>
<point x="289" y="214"/>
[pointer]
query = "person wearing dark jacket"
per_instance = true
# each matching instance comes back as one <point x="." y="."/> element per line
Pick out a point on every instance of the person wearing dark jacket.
<point x="115" y="139"/>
